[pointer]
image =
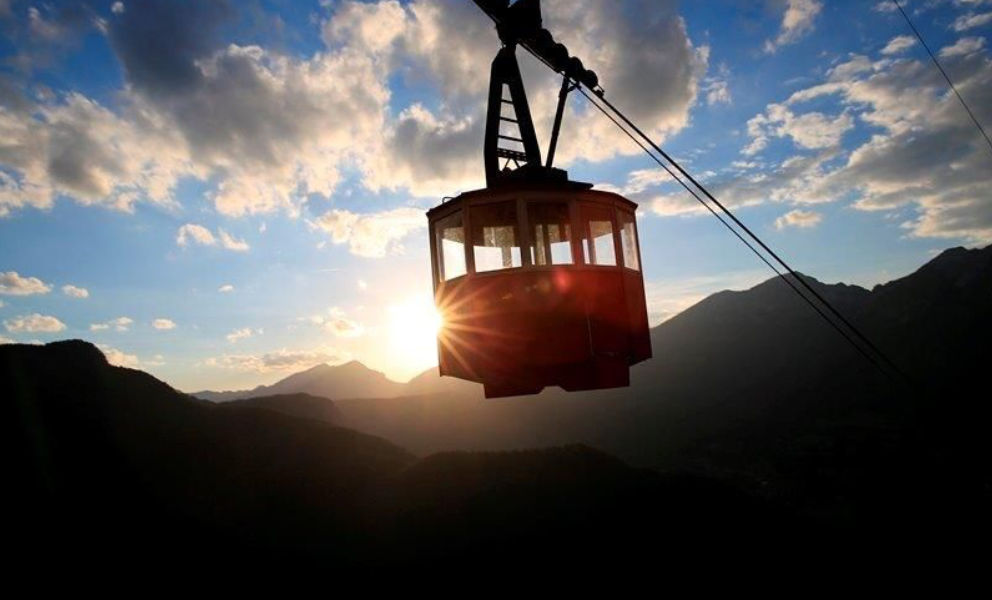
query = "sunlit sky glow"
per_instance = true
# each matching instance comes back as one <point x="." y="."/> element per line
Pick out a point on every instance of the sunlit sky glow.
<point x="223" y="193"/>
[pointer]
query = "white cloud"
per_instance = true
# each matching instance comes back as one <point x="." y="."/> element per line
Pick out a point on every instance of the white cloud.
<point x="12" y="284"/>
<point x="6" y="340"/>
<point x="675" y="205"/>
<point x="717" y="91"/>
<point x="640" y="48"/>
<point x="119" y="358"/>
<point x="963" y="47"/>
<point x="803" y="219"/>
<point x="371" y="235"/>
<point x="899" y="44"/>
<point x="812" y="130"/>
<point x="281" y="360"/>
<point x="971" y="21"/>
<point x="797" y="21"/>
<point x="117" y="8"/>
<point x="273" y="128"/>
<point x="163" y="324"/>
<point x="34" y="323"/>
<point x="72" y="145"/>
<point x="362" y="285"/>
<point x="227" y="288"/>
<point x="119" y="324"/>
<point x="231" y="243"/>
<point x="192" y="233"/>
<point x="75" y="292"/>
<point x="239" y="334"/>
<point x="342" y="326"/>
<point x="924" y="155"/>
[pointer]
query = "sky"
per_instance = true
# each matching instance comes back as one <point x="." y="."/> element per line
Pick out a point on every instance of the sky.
<point x="223" y="193"/>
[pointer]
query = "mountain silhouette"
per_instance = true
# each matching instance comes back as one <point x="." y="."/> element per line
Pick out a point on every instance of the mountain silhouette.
<point x="753" y="387"/>
<point x="349" y="380"/>
<point x="111" y="466"/>
<point x="297" y="405"/>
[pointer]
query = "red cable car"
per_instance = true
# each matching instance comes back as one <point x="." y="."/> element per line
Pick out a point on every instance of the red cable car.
<point x="537" y="278"/>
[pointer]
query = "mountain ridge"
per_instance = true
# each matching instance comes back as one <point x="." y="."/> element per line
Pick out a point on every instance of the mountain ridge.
<point x="111" y="465"/>
<point x="840" y="293"/>
<point x="747" y="384"/>
<point x="352" y="379"/>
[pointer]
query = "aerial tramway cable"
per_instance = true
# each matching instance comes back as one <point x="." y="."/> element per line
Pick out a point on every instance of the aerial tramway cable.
<point x="940" y="68"/>
<point x="866" y="348"/>
<point x="740" y="237"/>
<point x="520" y="24"/>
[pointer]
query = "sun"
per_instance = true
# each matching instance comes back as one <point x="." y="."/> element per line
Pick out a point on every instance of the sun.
<point x="413" y="327"/>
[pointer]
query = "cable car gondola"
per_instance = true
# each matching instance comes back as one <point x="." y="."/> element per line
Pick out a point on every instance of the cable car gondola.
<point x="537" y="277"/>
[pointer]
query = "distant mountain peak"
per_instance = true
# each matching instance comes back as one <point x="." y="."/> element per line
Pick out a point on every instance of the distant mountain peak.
<point x="352" y="379"/>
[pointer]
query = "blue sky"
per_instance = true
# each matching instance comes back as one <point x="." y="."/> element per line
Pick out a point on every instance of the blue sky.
<point x="235" y="190"/>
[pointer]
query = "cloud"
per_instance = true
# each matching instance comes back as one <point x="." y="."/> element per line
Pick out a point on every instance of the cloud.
<point x="812" y="130"/>
<point x="240" y="334"/>
<point x="797" y="20"/>
<point x="163" y="324"/>
<point x="640" y="48"/>
<point x="119" y="324"/>
<point x="6" y="340"/>
<point x="273" y="128"/>
<point x="281" y="360"/>
<point x="803" y="219"/>
<point x="963" y="47"/>
<point x="34" y="323"/>
<point x="70" y="145"/>
<point x="117" y="8"/>
<point x="159" y="41"/>
<point x="227" y="288"/>
<point x="231" y="243"/>
<point x="337" y="323"/>
<point x="192" y="233"/>
<point x="971" y="21"/>
<point x="899" y="44"/>
<point x="12" y="284"/>
<point x="717" y="91"/>
<point x="371" y="235"/>
<point x="924" y="156"/>
<point x="342" y="326"/>
<point x="75" y="292"/>
<point x="675" y="205"/>
<point x="119" y="358"/>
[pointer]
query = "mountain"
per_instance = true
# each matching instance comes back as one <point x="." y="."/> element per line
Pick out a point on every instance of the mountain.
<point x="350" y="380"/>
<point x="108" y="466"/>
<point x="297" y="405"/>
<point x="107" y="453"/>
<point x="753" y="387"/>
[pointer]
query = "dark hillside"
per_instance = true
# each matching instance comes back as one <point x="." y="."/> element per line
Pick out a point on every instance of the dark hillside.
<point x="110" y="464"/>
